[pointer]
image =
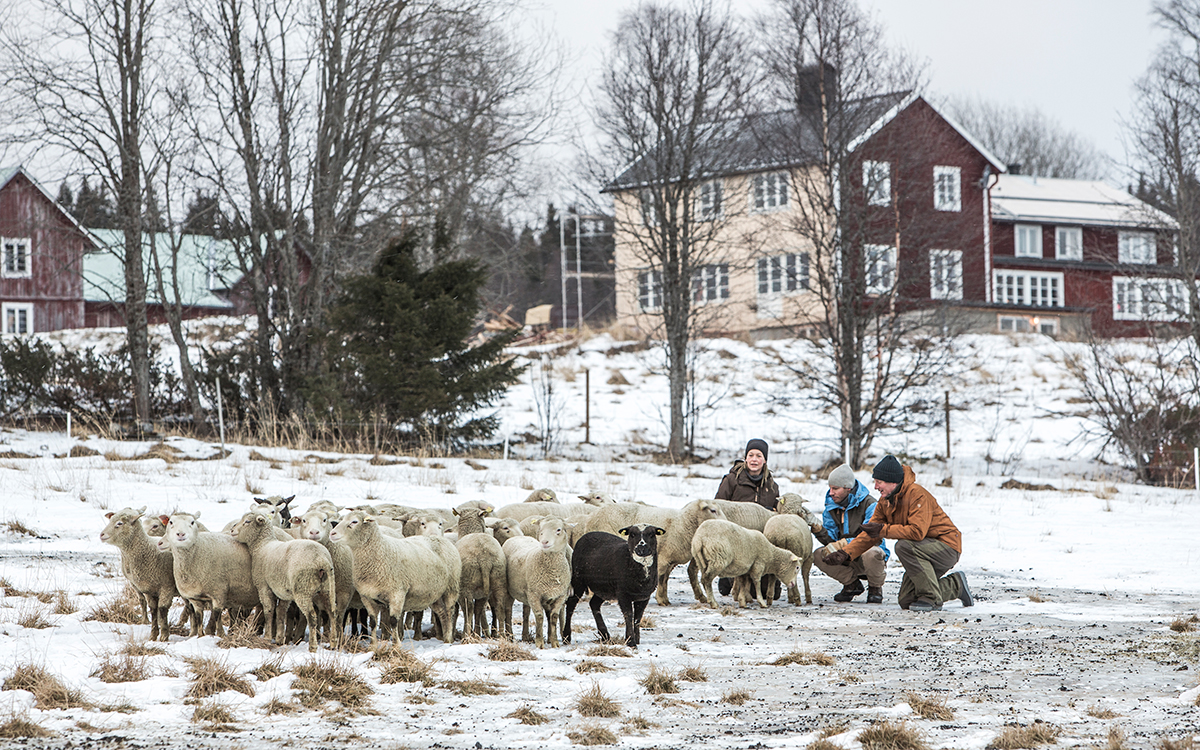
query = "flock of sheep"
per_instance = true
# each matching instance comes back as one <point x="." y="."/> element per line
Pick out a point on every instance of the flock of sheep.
<point x="380" y="567"/>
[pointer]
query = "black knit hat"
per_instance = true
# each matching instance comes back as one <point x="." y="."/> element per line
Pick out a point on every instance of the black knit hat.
<point x="760" y="444"/>
<point x="888" y="470"/>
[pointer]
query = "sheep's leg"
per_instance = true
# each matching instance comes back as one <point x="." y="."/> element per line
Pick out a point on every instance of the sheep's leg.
<point x="396" y="607"/>
<point x="664" y="572"/>
<point x="162" y="618"/>
<point x="639" y="608"/>
<point x="147" y="609"/>
<point x="706" y="581"/>
<point x="692" y="570"/>
<point x="631" y="620"/>
<point x="572" y="602"/>
<point x="805" y="567"/>
<point x="553" y="614"/>
<point x="755" y="579"/>
<point x="310" y="616"/>
<point x="525" y="624"/>
<point x="506" y="616"/>
<point x="539" y="616"/>
<point x="601" y="628"/>
<point x="374" y="611"/>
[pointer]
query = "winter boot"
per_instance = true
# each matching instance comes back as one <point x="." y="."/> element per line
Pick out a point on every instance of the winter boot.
<point x="848" y="592"/>
<point x="964" y="591"/>
<point x="874" y="595"/>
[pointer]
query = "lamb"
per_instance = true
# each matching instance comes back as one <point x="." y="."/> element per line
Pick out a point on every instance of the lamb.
<point x="504" y="528"/>
<point x="433" y="531"/>
<point x="539" y="576"/>
<point x="544" y="495"/>
<point x="299" y="571"/>
<point x="150" y="571"/>
<point x="614" y="568"/>
<point x="793" y="534"/>
<point x="754" y="516"/>
<point x="394" y="576"/>
<point x="723" y="548"/>
<point x="315" y="526"/>
<point x="484" y="580"/>
<point x="210" y="569"/>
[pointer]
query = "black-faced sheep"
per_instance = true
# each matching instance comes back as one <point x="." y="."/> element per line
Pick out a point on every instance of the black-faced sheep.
<point x="622" y="568"/>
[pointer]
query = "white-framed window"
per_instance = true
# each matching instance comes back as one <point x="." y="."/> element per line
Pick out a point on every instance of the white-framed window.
<point x="770" y="191"/>
<point x="1148" y="299"/>
<point x="15" y="262"/>
<point x="783" y="273"/>
<point x="650" y="294"/>
<point x="1028" y="241"/>
<point x="1026" y="324"/>
<point x="1137" y="247"/>
<point x="945" y="274"/>
<point x="880" y="266"/>
<point x="711" y="283"/>
<point x="16" y="318"/>
<point x="709" y="202"/>
<point x="1032" y="288"/>
<point x="947" y="188"/>
<point x="877" y="182"/>
<point x="647" y="207"/>
<point x="1068" y="243"/>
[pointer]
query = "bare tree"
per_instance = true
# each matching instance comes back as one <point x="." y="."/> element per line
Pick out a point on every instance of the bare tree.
<point x="828" y="67"/>
<point x="81" y="78"/>
<point x="674" y="91"/>
<point x="1030" y="138"/>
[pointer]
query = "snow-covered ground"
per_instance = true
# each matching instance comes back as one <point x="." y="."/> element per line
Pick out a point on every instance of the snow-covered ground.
<point x="1076" y="586"/>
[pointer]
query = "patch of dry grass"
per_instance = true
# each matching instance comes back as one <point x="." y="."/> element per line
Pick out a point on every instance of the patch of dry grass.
<point x="823" y="744"/>
<point x="17" y="526"/>
<point x="930" y="708"/>
<point x="213" y="676"/>
<point x="659" y="681"/>
<point x="135" y="647"/>
<point x="888" y="735"/>
<point x="1115" y="740"/>
<point x="510" y="651"/>
<point x="592" y="734"/>
<point x="33" y="618"/>
<point x="1185" y="624"/>
<point x="472" y="687"/>
<point x="320" y="680"/>
<point x="526" y="715"/>
<point x="243" y="633"/>
<point x="693" y="674"/>
<point x="638" y="725"/>
<point x="588" y="666"/>
<point x="122" y="668"/>
<point x="48" y="690"/>
<point x="20" y="727"/>
<point x="837" y="727"/>
<point x="269" y="669"/>
<point x="124" y="609"/>
<point x="1099" y="712"/>
<point x="803" y="658"/>
<point x="63" y="604"/>
<point x="609" y="650"/>
<point x="1034" y="735"/>
<point x="594" y="703"/>
<point x="214" y="716"/>
<point x="276" y="706"/>
<point x="1169" y="744"/>
<point x="736" y="697"/>
<point x="1037" y="598"/>
<point x="402" y="665"/>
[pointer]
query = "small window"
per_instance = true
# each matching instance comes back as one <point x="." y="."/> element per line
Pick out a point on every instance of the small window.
<point x="881" y="268"/>
<point x="16" y="319"/>
<point x="783" y="273"/>
<point x="1024" y="324"/>
<point x="1028" y="241"/>
<point x="1148" y="299"/>
<point x="650" y="290"/>
<point x="15" y="261"/>
<point x="711" y="283"/>
<point x="877" y="182"/>
<point x="708" y="207"/>
<point x="1136" y="247"/>
<point x="947" y="188"/>
<point x="945" y="274"/>
<point x="1068" y="243"/>
<point x="770" y="191"/>
<point x="1028" y="288"/>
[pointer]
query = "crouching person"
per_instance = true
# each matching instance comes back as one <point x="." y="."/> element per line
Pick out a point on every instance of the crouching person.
<point x="929" y="544"/>
<point x="848" y="504"/>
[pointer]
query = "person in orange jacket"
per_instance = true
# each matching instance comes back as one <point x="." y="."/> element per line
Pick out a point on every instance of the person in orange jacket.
<point x="928" y="543"/>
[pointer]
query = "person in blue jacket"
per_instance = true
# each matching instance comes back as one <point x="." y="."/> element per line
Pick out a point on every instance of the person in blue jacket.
<point x="847" y="505"/>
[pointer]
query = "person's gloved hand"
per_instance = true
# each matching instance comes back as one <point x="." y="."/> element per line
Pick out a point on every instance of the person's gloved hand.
<point x="816" y="528"/>
<point x="874" y="529"/>
<point x="837" y="558"/>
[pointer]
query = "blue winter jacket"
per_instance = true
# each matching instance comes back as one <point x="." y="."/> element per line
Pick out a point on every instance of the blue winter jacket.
<point x="860" y="495"/>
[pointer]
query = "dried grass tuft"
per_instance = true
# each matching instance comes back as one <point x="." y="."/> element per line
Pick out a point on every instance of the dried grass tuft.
<point x="609" y="650"/>
<point x="48" y="690"/>
<point x="736" y="697"/>
<point x="321" y="680"/>
<point x="124" y="609"/>
<point x="1184" y="744"/>
<point x="63" y="604"/>
<point x="276" y="706"/>
<point x="693" y="674"/>
<point x="803" y="658"/>
<point x="213" y="676"/>
<point x="243" y="633"/>
<point x="823" y="744"/>
<point x="1185" y="624"/>
<point x="659" y="681"/>
<point x="838" y="727"/>
<point x="1115" y="740"/>
<point x="33" y="618"/>
<point x="588" y="666"/>
<point x="16" y="526"/>
<point x="510" y="651"/>
<point x="21" y="727"/>
<point x="887" y="735"/>
<point x="122" y="668"/>
<point x="402" y="665"/>
<point x="1012" y="738"/>
<point x="526" y="715"/>
<point x="215" y="716"/>
<point x="594" y="703"/>
<point x="592" y="734"/>
<point x="269" y="669"/>
<point x="134" y="647"/>
<point x="930" y="708"/>
<point x="1099" y="712"/>
<point x="473" y="687"/>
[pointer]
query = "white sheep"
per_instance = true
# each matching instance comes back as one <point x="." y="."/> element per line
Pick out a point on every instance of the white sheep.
<point x="484" y="574"/>
<point x="150" y="571"/>
<point x="539" y="576"/>
<point x="504" y="528"/>
<point x="297" y="570"/>
<point x="792" y="533"/>
<point x="394" y="576"/>
<point x="433" y="530"/>
<point x="544" y="495"/>
<point x="723" y="548"/>
<point x="211" y="569"/>
<point x="315" y="525"/>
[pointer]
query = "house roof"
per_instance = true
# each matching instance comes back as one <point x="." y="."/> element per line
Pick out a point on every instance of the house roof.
<point x="205" y="265"/>
<point x="1051" y="200"/>
<point x="8" y="173"/>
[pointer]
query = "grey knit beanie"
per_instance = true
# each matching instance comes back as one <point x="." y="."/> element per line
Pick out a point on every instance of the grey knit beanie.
<point x="889" y="470"/>
<point x="842" y="476"/>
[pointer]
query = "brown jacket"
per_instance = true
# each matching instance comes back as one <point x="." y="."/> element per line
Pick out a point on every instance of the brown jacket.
<point x="740" y="488"/>
<point x="910" y="513"/>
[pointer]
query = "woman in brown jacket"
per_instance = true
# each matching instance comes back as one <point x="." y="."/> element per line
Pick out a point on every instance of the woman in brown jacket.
<point x="750" y="481"/>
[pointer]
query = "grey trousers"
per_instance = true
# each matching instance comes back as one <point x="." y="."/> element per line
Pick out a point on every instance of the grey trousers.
<point x="872" y="565"/>
<point x="925" y="562"/>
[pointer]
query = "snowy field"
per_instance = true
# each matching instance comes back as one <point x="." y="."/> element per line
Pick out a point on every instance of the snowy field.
<point x="1077" y="586"/>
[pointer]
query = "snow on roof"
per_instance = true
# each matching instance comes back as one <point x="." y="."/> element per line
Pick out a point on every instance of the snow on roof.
<point x="1051" y="200"/>
<point x="205" y="264"/>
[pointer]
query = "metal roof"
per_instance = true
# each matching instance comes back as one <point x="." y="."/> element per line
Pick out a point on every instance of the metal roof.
<point x="1052" y="200"/>
<point x="205" y="266"/>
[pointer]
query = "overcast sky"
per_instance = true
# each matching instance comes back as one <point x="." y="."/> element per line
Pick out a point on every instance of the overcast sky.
<point x="1076" y="60"/>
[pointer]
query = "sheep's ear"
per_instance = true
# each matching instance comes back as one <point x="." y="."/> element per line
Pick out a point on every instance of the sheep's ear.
<point x="109" y="515"/>
<point x="164" y="519"/>
<point x="659" y="532"/>
<point x="288" y="500"/>
<point x="260" y="520"/>
<point x="261" y="500"/>
<point x="624" y="531"/>
<point x="196" y="515"/>
<point x="296" y="521"/>
<point x="141" y="510"/>
<point x="795" y="559"/>
<point x="487" y="509"/>
<point x="454" y="511"/>
<point x="491" y="523"/>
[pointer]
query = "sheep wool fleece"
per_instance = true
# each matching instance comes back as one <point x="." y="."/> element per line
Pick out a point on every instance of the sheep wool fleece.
<point x="930" y="543"/>
<point x="738" y="487"/>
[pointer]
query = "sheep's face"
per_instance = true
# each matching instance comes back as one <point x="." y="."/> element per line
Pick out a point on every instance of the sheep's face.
<point x="119" y="524"/>
<point x="552" y="533"/>
<point x="432" y="527"/>
<point x="153" y="526"/>
<point x="251" y="526"/>
<point x="182" y="529"/>
<point x="313" y="525"/>
<point x="707" y="510"/>
<point x="352" y="527"/>
<point x="643" y="541"/>
<point x="597" y="498"/>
